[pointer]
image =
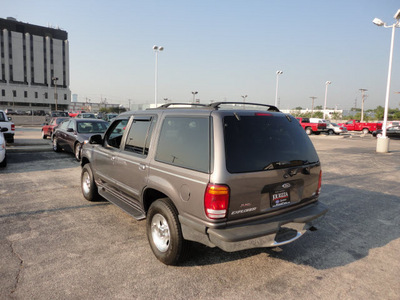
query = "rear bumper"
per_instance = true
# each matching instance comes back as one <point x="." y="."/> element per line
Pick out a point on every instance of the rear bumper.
<point x="270" y="232"/>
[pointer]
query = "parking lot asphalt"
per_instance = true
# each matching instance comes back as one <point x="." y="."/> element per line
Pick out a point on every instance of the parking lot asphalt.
<point x="56" y="245"/>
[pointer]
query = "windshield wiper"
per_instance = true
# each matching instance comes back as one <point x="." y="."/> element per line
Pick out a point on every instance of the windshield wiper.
<point x="285" y="164"/>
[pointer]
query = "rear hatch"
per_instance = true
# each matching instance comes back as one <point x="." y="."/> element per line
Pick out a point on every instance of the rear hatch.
<point x="271" y="164"/>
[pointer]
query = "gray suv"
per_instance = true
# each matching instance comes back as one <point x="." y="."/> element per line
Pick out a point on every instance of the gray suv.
<point x="229" y="175"/>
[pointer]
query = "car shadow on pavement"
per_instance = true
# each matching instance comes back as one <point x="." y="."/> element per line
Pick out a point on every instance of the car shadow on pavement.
<point x="357" y="222"/>
<point x="28" y="162"/>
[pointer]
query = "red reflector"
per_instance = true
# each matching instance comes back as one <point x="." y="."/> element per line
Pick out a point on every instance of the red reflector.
<point x="263" y="114"/>
<point x="216" y="201"/>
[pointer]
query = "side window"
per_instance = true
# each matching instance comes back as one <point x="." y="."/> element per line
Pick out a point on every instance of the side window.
<point x="185" y="142"/>
<point x="114" y="134"/>
<point x="139" y="135"/>
<point x="64" y="125"/>
<point x="2" y="118"/>
<point x="72" y="125"/>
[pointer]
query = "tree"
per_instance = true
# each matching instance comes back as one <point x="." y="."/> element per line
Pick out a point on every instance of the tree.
<point x="318" y="114"/>
<point x="336" y="116"/>
<point x="379" y="112"/>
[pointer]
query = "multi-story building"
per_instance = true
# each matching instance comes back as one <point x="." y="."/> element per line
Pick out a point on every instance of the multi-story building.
<point x="34" y="68"/>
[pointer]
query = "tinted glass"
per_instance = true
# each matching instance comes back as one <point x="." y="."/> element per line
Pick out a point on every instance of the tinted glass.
<point x="185" y="142"/>
<point x="139" y="136"/>
<point x="256" y="143"/>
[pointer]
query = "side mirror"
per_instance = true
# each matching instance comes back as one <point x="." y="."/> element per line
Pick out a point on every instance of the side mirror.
<point x="70" y="130"/>
<point x="96" y="139"/>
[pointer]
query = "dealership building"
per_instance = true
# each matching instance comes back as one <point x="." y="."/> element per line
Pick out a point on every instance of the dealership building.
<point x="34" y="68"/>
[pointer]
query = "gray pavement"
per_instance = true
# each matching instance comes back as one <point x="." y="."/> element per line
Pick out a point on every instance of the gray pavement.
<point x="56" y="245"/>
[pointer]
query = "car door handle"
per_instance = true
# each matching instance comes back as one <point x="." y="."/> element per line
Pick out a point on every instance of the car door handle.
<point x="142" y="167"/>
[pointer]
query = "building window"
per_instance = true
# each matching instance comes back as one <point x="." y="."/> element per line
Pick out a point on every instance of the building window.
<point x="45" y="95"/>
<point x="14" y="93"/>
<point x="65" y="96"/>
<point x="26" y="94"/>
<point x="36" y="95"/>
<point x="3" y="93"/>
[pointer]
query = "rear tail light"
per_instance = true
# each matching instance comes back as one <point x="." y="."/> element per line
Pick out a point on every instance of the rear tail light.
<point x="12" y="127"/>
<point x="216" y="201"/>
<point x="319" y="183"/>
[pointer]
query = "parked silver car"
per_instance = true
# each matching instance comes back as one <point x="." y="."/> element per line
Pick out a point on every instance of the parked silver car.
<point x="333" y="128"/>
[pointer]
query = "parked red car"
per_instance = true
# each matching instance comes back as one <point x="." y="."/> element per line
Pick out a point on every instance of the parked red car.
<point x="365" y="127"/>
<point x="48" y="128"/>
<point x="312" y="127"/>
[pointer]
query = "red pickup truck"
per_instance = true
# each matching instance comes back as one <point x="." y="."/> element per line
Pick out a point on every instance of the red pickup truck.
<point x="312" y="127"/>
<point x="365" y="127"/>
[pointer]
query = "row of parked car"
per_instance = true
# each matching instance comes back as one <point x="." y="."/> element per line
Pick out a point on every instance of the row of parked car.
<point x="70" y="134"/>
<point x="318" y="126"/>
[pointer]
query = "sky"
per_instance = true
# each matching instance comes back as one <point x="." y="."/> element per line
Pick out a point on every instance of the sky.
<point x="225" y="49"/>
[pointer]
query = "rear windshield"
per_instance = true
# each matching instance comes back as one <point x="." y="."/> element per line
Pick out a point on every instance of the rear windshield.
<point x="267" y="142"/>
<point x="92" y="127"/>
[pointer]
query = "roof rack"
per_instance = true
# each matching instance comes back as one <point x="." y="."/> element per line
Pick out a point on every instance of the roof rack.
<point x="216" y="105"/>
<point x="167" y="105"/>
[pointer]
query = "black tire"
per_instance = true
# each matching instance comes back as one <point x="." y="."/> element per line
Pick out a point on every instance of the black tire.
<point x="56" y="147"/>
<point x="3" y="164"/>
<point x="88" y="185"/>
<point x="308" y="130"/>
<point x="164" y="233"/>
<point x="330" y="132"/>
<point x="43" y="135"/>
<point x="10" y="140"/>
<point x="77" y="151"/>
<point x="365" y="130"/>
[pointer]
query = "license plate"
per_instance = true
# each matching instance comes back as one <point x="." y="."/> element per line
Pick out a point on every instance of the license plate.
<point x="280" y="198"/>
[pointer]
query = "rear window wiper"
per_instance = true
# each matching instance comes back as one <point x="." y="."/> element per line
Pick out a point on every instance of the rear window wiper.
<point x="286" y="164"/>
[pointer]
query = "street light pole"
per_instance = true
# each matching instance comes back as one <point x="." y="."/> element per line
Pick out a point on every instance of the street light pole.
<point x="383" y="141"/>
<point x="362" y="103"/>
<point x="312" y="106"/>
<point x="326" y="95"/>
<point x="277" y="83"/>
<point x="194" y="96"/>
<point x="156" y="50"/>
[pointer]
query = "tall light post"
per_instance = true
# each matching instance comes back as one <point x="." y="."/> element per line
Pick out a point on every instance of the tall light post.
<point x="244" y="98"/>
<point x="312" y="106"/>
<point x="156" y="50"/>
<point x="277" y="84"/>
<point x="382" y="144"/>
<point x="194" y="96"/>
<point x="326" y="95"/>
<point x="55" y="79"/>
<point x="362" y="103"/>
